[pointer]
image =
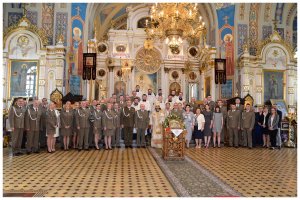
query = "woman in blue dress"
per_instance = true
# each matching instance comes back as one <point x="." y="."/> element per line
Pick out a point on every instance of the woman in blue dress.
<point x="188" y="118"/>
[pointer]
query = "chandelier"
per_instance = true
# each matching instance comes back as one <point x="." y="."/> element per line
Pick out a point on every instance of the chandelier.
<point x="174" y="22"/>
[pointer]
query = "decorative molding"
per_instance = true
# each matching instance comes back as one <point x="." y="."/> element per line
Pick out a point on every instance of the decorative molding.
<point x="267" y="13"/>
<point x="59" y="82"/>
<point x="242" y="11"/>
<point x="42" y="82"/>
<point x="291" y="90"/>
<point x="25" y="24"/>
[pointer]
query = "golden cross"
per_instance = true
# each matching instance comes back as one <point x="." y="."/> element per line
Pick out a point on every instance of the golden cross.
<point x="226" y="19"/>
<point x="78" y="10"/>
<point x="275" y="24"/>
<point x="24" y="9"/>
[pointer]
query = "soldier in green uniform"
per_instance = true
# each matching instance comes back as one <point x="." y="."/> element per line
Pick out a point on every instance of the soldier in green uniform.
<point x="141" y="123"/>
<point x="248" y="120"/>
<point x="127" y="122"/>
<point x="32" y="126"/>
<point x="108" y="121"/>
<point x="16" y="120"/>
<point x="224" y="132"/>
<point x="176" y="111"/>
<point x="83" y="126"/>
<point x="233" y="125"/>
<point x="97" y="125"/>
<point x="43" y="107"/>
<point x="193" y="105"/>
<point x="240" y="107"/>
<point x="117" y="135"/>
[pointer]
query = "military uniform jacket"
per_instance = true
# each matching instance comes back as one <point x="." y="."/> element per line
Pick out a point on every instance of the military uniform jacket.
<point x="248" y="120"/>
<point x="51" y="121"/>
<point x="117" y="117"/>
<point x="108" y="119"/>
<point x="98" y="119"/>
<point x="82" y="118"/>
<point x="178" y="113"/>
<point x="43" y="117"/>
<point x="224" y="112"/>
<point x="33" y="119"/>
<point x="16" y="117"/>
<point x="127" y="116"/>
<point x="66" y="118"/>
<point x="194" y="107"/>
<point x="142" y="119"/>
<point x="234" y="119"/>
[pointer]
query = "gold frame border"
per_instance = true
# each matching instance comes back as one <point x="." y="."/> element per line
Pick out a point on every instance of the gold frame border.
<point x="9" y="76"/>
<point x="263" y="83"/>
<point x="205" y="80"/>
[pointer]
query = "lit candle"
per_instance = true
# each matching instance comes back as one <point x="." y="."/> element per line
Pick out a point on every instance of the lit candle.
<point x="177" y="13"/>
<point x="190" y="13"/>
<point x="200" y="18"/>
<point x="203" y="23"/>
<point x="146" y="22"/>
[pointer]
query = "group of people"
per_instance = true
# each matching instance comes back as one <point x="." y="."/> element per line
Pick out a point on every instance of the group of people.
<point x="82" y="125"/>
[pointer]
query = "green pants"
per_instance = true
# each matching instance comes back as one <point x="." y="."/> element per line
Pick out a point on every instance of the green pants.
<point x="83" y="135"/>
<point x="140" y="137"/>
<point x="233" y="136"/>
<point x="247" y="133"/>
<point x="16" y="137"/>
<point x="32" y="141"/>
<point x="128" y="133"/>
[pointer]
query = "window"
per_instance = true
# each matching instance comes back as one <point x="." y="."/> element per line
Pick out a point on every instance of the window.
<point x="30" y="81"/>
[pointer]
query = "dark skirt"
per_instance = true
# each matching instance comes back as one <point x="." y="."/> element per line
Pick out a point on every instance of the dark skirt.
<point x="198" y="133"/>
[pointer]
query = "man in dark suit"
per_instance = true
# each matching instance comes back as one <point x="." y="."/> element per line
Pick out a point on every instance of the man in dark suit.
<point x="278" y="137"/>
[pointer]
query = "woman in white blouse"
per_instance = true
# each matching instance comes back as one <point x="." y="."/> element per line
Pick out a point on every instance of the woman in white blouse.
<point x="199" y="127"/>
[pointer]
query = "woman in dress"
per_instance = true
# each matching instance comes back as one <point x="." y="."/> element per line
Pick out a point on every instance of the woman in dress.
<point x="263" y="121"/>
<point x="51" y="125"/>
<point x="217" y="125"/>
<point x="66" y="118"/>
<point x="109" y="125"/>
<point x="188" y="118"/>
<point x="56" y="135"/>
<point x="273" y="126"/>
<point x="198" y="127"/>
<point x="97" y="125"/>
<point x="208" y="116"/>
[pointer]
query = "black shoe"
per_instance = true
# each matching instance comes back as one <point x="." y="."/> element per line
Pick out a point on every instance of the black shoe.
<point x="37" y="152"/>
<point x="138" y="147"/>
<point x="86" y="149"/>
<point x="249" y="147"/>
<point x="144" y="147"/>
<point x="131" y="146"/>
<point x="118" y="146"/>
<point x="236" y="146"/>
<point x="16" y="154"/>
<point x="79" y="149"/>
<point x="29" y="152"/>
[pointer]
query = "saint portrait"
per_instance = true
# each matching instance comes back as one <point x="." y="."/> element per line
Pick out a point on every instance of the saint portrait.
<point x="273" y="85"/>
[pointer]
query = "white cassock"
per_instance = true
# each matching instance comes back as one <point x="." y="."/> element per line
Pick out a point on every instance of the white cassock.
<point x="156" y="120"/>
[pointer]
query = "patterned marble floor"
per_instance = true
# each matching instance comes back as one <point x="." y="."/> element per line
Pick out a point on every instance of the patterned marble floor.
<point x="257" y="172"/>
<point x="120" y="172"/>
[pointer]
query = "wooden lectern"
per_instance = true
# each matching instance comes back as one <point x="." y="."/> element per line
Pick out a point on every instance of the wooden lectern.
<point x="173" y="146"/>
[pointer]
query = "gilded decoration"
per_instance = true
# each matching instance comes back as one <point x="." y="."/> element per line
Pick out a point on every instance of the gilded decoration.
<point x="25" y="24"/>
<point x="275" y="38"/>
<point x="148" y="60"/>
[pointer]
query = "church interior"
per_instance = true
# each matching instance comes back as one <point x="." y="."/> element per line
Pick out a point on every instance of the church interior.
<point x="86" y="52"/>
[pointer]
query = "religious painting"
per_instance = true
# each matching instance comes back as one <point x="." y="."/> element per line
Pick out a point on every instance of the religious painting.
<point x="102" y="48"/>
<point x="75" y="84"/>
<point x="273" y="85"/>
<point x="120" y="88"/>
<point x="101" y="72"/>
<point x="192" y="76"/>
<point x="146" y="81"/>
<point x="89" y="59"/>
<point x="227" y="89"/>
<point x="175" y="75"/>
<point x="220" y="71"/>
<point x="207" y="86"/>
<point x="23" y="80"/>
<point x="175" y="86"/>
<point x="281" y="105"/>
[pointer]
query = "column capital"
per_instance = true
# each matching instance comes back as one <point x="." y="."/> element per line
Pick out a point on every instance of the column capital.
<point x="166" y="70"/>
<point x="110" y="68"/>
